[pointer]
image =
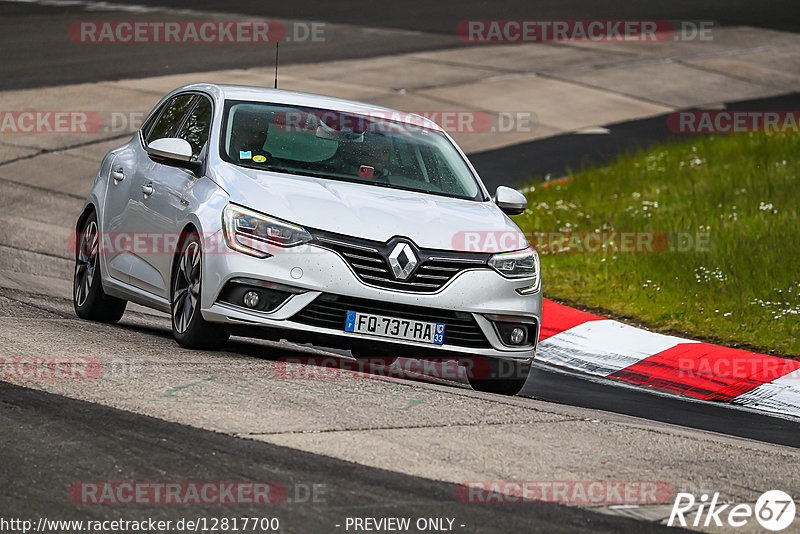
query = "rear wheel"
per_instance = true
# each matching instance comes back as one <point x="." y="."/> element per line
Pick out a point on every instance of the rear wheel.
<point x="189" y="328"/>
<point x="494" y="375"/>
<point x="88" y="298"/>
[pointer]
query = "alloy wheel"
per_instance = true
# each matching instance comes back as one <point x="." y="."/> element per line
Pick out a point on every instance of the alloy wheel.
<point x="187" y="287"/>
<point x="86" y="262"/>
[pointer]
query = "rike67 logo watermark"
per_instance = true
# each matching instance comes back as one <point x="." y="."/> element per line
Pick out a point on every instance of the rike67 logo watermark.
<point x="774" y="510"/>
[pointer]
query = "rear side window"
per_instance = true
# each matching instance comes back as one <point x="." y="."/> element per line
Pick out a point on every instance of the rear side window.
<point x="197" y="126"/>
<point x="170" y="118"/>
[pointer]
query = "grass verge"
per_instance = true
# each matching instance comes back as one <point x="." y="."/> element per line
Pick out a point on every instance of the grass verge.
<point x="700" y="237"/>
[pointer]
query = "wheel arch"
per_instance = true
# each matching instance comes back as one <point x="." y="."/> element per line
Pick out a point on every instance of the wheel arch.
<point x="88" y="209"/>
<point x="189" y="228"/>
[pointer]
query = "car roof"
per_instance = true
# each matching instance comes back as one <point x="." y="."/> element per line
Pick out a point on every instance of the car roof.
<point x="281" y="96"/>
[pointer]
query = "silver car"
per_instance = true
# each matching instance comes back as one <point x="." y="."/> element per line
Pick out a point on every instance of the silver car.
<point x="283" y="215"/>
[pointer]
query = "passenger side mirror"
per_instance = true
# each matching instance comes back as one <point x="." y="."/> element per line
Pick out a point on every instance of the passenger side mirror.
<point x="510" y="201"/>
<point x="173" y="151"/>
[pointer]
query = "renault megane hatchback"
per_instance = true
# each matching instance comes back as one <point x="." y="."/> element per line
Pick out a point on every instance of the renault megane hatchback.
<point x="284" y="215"/>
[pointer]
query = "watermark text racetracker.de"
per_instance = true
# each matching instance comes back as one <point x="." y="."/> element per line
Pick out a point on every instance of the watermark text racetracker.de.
<point x="569" y="492"/>
<point x="456" y="121"/>
<point x="158" y="493"/>
<point x="372" y="367"/>
<point x="582" y="242"/>
<point x="38" y="367"/>
<point x="166" y="243"/>
<point x="737" y="363"/>
<point x="483" y="241"/>
<point x="194" y="32"/>
<point x="594" y="30"/>
<point x="50" y="121"/>
<point x="733" y="121"/>
<point x="453" y="121"/>
<point x="50" y="368"/>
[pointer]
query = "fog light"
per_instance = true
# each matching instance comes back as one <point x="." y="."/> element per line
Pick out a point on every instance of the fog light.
<point x="256" y="295"/>
<point x="251" y="299"/>
<point x="514" y="334"/>
<point x="517" y="336"/>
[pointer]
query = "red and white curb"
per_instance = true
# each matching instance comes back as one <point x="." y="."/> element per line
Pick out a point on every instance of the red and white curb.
<point x="590" y="344"/>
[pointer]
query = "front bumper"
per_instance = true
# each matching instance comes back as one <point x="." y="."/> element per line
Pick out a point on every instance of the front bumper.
<point x="316" y="270"/>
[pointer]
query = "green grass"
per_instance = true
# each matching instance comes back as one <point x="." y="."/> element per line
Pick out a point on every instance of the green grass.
<point x="739" y="192"/>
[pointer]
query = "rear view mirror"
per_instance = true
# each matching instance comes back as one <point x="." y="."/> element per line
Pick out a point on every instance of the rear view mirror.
<point x="171" y="148"/>
<point x="510" y="201"/>
<point x="173" y="151"/>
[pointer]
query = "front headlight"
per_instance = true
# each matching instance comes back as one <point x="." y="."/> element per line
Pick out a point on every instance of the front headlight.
<point x="520" y="264"/>
<point x="257" y="234"/>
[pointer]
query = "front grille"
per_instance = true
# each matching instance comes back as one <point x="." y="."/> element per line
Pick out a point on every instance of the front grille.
<point x="330" y="311"/>
<point x="368" y="259"/>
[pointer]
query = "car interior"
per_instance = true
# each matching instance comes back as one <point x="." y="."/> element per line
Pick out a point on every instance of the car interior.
<point x="294" y="140"/>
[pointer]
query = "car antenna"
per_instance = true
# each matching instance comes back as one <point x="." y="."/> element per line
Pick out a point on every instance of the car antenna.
<point x="276" y="64"/>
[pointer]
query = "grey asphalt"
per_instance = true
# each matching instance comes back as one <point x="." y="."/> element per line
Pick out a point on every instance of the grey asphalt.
<point x="46" y="56"/>
<point x="57" y="441"/>
<point x="442" y="16"/>
<point x="560" y="155"/>
<point x="419" y="427"/>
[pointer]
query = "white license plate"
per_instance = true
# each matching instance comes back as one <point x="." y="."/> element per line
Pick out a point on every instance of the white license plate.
<point x="392" y="327"/>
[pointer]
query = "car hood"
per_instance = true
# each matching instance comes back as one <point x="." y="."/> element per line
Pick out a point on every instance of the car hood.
<point x="371" y="212"/>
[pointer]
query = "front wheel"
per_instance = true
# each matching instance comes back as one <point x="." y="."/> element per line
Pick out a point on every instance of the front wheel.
<point x="495" y="375"/>
<point x="88" y="298"/>
<point x="189" y="328"/>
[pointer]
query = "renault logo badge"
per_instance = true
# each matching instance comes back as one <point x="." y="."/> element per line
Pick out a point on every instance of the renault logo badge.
<point x="403" y="261"/>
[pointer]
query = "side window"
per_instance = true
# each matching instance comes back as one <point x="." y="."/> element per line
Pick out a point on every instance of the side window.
<point x="170" y="118"/>
<point x="197" y="126"/>
<point x="151" y="119"/>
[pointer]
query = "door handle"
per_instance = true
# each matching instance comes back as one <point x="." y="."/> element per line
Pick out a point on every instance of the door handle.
<point x="118" y="175"/>
<point x="147" y="189"/>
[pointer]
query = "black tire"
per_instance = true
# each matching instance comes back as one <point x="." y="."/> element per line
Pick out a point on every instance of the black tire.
<point x="493" y="375"/>
<point x="189" y="328"/>
<point x="88" y="298"/>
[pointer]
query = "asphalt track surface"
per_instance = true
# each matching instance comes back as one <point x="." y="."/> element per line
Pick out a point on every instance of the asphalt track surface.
<point x="45" y="57"/>
<point x="443" y="16"/>
<point x="561" y="154"/>
<point x="577" y="391"/>
<point x="58" y="438"/>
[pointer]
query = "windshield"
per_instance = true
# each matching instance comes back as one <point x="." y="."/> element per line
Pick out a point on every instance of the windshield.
<point x="373" y="149"/>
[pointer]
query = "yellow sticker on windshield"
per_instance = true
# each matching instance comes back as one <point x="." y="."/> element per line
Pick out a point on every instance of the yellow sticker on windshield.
<point x="259" y="158"/>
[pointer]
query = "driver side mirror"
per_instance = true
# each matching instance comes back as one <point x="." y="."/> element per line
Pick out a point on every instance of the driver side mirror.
<point x="173" y="151"/>
<point x="510" y="201"/>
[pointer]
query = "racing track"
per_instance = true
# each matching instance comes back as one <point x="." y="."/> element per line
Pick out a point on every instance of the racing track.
<point x="62" y="434"/>
<point x="401" y="434"/>
<point x="162" y="413"/>
<point x="387" y="27"/>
